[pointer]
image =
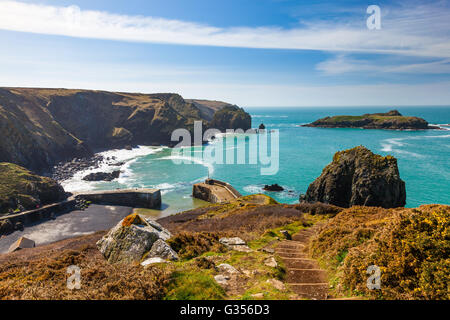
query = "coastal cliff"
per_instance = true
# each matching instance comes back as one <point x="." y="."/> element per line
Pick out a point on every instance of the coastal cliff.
<point x="393" y="120"/>
<point x="41" y="127"/>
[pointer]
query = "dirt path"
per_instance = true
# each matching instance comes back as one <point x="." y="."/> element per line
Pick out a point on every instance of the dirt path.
<point x="304" y="275"/>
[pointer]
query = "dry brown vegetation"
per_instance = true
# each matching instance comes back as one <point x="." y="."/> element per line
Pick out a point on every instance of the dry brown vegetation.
<point x="40" y="273"/>
<point x="43" y="274"/>
<point x="244" y="221"/>
<point x="411" y="247"/>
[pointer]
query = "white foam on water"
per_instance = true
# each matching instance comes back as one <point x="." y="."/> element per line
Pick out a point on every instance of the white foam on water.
<point x="77" y="184"/>
<point x="388" y="144"/>
<point x="195" y="160"/>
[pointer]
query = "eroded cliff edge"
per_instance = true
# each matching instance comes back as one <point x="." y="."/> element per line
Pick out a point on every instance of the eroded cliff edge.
<point x="41" y="127"/>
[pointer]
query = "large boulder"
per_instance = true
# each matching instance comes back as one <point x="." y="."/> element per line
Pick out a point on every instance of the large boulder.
<point x="132" y="239"/>
<point x="359" y="177"/>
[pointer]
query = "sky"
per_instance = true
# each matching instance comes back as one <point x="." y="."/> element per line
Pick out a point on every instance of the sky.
<point x="246" y="52"/>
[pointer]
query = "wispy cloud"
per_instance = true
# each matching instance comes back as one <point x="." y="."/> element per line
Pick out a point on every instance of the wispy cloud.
<point x="405" y="30"/>
<point x="342" y="64"/>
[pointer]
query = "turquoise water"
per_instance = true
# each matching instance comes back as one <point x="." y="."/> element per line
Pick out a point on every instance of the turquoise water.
<point x="423" y="158"/>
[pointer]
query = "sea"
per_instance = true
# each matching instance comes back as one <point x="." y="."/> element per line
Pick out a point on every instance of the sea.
<point x="287" y="154"/>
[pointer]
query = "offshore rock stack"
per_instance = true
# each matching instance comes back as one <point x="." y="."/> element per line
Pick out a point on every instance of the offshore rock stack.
<point x="359" y="177"/>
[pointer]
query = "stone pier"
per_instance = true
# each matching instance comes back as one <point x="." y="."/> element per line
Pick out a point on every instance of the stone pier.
<point x="215" y="191"/>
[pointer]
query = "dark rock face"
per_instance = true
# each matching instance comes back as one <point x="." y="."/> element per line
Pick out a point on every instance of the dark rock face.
<point x="359" y="177"/>
<point x="274" y="188"/>
<point x="66" y="170"/>
<point x="102" y="176"/>
<point x="6" y="227"/>
<point x="231" y="117"/>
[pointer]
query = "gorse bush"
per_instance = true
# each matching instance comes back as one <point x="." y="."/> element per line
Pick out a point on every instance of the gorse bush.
<point x="411" y="247"/>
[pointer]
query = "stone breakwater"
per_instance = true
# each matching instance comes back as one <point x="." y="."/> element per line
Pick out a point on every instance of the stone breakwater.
<point x="137" y="198"/>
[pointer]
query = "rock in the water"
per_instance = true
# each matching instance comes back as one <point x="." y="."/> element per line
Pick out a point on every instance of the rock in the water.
<point x="359" y="177"/>
<point x="102" y="176"/>
<point x="162" y="250"/>
<point x="131" y="239"/>
<point x="262" y="126"/>
<point x="274" y="188"/>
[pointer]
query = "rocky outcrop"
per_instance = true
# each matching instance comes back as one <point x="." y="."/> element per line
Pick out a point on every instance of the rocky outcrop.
<point x="102" y="176"/>
<point x="231" y="117"/>
<point x="359" y="177"/>
<point x="21" y="189"/>
<point x="393" y="120"/>
<point x="236" y="244"/>
<point x="42" y="127"/>
<point x="273" y="188"/>
<point x="136" y="238"/>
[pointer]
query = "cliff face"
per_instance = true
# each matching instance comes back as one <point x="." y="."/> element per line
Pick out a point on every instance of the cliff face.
<point x="20" y="187"/>
<point x="231" y="117"/>
<point x="390" y="120"/>
<point x="359" y="177"/>
<point x="41" y="127"/>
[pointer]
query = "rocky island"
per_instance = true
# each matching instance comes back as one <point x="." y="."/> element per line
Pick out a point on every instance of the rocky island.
<point x="393" y="120"/>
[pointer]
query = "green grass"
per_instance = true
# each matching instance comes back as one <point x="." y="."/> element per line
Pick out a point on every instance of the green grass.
<point x="275" y="234"/>
<point x="191" y="285"/>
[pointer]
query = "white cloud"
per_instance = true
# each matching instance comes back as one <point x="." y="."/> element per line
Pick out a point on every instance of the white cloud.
<point x="405" y="31"/>
<point x="342" y="64"/>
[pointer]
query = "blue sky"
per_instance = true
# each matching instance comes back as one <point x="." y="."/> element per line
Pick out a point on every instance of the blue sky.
<point x="252" y="53"/>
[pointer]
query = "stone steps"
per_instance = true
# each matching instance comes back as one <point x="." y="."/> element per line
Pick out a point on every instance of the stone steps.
<point x="300" y="263"/>
<point x="283" y="255"/>
<point x="303" y="275"/>
<point x="316" y="291"/>
<point x="306" y="276"/>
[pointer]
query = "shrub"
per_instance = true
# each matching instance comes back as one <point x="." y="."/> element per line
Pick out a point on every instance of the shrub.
<point x="411" y="247"/>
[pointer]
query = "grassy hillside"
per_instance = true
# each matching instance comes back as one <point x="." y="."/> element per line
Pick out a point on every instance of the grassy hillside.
<point x="18" y="185"/>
